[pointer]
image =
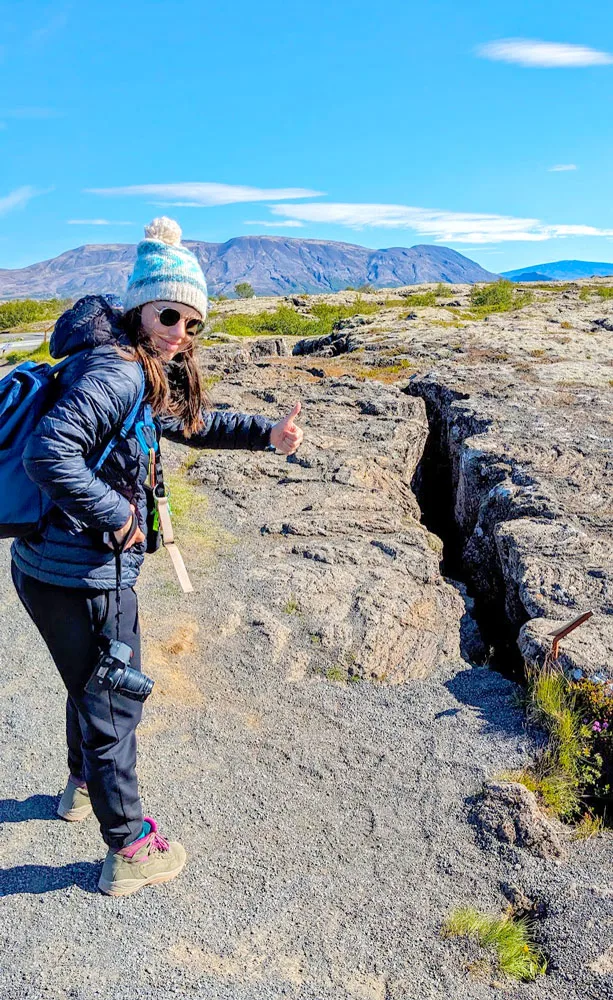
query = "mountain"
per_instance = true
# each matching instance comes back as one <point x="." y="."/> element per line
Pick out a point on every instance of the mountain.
<point x="273" y="265"/>
<point x="529" y="276"/>
<point x="560" y="270"/>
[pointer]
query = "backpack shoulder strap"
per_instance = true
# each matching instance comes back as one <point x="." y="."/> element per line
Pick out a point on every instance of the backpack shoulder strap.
<point x="125" y="428"/>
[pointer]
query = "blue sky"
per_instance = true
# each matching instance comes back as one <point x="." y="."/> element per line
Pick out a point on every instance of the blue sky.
<point x="380" y="124"/>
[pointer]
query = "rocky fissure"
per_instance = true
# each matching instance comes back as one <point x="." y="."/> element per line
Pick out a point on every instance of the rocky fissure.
<point x="534" y="551"/>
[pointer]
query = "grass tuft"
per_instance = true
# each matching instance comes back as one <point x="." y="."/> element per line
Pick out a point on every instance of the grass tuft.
<point x="510" y="940"/>
<point x="588" y="826"/>
<point x="40" y="354"/>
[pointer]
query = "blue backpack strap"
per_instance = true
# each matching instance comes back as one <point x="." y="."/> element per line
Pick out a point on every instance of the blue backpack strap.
<point x="124" y="430"/>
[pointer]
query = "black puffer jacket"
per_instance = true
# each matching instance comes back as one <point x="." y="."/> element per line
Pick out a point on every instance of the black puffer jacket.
<point x="96" y="391"/>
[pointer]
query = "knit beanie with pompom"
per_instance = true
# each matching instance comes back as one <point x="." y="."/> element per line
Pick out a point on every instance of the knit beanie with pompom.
<point x="165" y="270"/>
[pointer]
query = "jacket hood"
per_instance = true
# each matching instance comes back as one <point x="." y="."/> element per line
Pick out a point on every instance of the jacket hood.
<point x="92" y="321"/>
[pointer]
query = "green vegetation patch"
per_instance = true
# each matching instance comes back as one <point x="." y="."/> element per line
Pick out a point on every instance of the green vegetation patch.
<point x="500" y="296"/>
<point x="508" y="939"/>
<point x="22" y="311"/>
<point x="286" y="322"/>
<point x="189" y="507"/>
<point x="420" y="298"/>
<point x="604" y="291"/>
<point x="577" y="762"/>
<point x="39" y="355"/>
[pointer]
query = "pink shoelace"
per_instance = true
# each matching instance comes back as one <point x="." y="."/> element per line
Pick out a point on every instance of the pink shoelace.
<point x="152" y="842"/>
<point x="156" y="843"/>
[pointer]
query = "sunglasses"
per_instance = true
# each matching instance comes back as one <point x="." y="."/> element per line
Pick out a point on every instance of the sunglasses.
<point x="170" y="317"/>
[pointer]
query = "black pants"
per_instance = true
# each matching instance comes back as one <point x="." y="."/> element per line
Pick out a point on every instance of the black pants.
<point x="101" y="727"/>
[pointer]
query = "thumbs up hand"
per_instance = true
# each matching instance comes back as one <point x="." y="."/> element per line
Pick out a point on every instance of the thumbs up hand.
<point x="285" y="435"/>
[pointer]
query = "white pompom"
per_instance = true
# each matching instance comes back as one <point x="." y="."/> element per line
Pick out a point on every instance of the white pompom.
<point x="165" y="230"/>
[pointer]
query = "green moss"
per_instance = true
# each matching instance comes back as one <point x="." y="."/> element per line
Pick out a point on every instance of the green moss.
<point x="508" y="938"/>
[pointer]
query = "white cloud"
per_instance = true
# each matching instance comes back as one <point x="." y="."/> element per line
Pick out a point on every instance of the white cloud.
<point x="561" y="168"/>
<point x="288" y="224"/>
<point x="531" y="52"/>
<point x="17" y="198"/>
<point x="443" y="226"/>
<point x="205" y="194"/>
<point x="97" y="222"/>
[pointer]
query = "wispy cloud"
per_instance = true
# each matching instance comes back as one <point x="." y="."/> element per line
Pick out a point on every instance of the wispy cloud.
<point x="54" y="23"/>
<point x="562" y="167"/>
<point x="17" y="198"/>
<point x="441" y="225"/>
<point x="204" y="194"/>
<point x="287" y="224"/>
<point x="97" y="222"/>
<point x="33" y="113"/>
<point x="531" y="52"/>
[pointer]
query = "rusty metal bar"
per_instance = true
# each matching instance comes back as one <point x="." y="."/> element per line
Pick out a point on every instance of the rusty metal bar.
<point x="565" y="630"/>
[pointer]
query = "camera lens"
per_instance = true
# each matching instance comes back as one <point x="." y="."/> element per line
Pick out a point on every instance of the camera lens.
<point x="135" y="685"/>
<point x="130" y="683"/>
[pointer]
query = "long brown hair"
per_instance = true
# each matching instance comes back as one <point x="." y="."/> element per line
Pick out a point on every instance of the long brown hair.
<point x="176" y="388"/>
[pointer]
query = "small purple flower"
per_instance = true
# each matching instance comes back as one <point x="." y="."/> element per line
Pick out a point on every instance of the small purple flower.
<point x="596" y="728"/>
<point x="605" y="725"/>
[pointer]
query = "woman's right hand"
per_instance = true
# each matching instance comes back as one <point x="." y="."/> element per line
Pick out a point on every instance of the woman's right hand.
<point x="121" y="533"/>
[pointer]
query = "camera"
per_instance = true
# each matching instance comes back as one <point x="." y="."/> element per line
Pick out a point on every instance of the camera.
<point x="114" y="673"/>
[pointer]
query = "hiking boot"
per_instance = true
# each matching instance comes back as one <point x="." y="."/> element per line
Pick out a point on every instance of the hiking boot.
<point x="75" y="803"/>
<point x="147" y="861"/>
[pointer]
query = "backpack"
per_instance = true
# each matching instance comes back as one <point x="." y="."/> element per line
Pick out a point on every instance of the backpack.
<point x="26" y="394"/>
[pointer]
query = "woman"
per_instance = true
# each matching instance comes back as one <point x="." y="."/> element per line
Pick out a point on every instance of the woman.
<point x="66" y="574"/>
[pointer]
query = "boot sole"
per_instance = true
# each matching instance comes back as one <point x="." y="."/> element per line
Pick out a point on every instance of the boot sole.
<point x="76" y="815"/>
<point x="127" y="886"/>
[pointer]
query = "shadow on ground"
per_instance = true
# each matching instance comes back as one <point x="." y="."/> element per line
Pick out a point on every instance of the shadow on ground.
<point x="45" y="878"/>
<point x="35" y="807"/>
<point x="492" y="696"/>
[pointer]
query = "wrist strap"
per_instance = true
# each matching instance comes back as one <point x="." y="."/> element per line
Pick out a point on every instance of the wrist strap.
<point x="169" y="544"/>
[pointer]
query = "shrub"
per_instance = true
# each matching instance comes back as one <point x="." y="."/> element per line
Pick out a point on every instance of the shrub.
<point x="500" y="296"/>
<point x="508" y="938"/>
<point x="605" y="292"/>
<point x="244" y="290"/>
<point x="22" y="311"/>
<point x="419" y="298"/>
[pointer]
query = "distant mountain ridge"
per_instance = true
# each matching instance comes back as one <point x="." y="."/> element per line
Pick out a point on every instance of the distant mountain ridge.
<point x="560" y="270"/>
<point x="273" y="265"/>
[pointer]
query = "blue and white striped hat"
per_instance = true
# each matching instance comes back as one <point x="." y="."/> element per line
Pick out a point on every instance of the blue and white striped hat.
<point x="164" y="270"/>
